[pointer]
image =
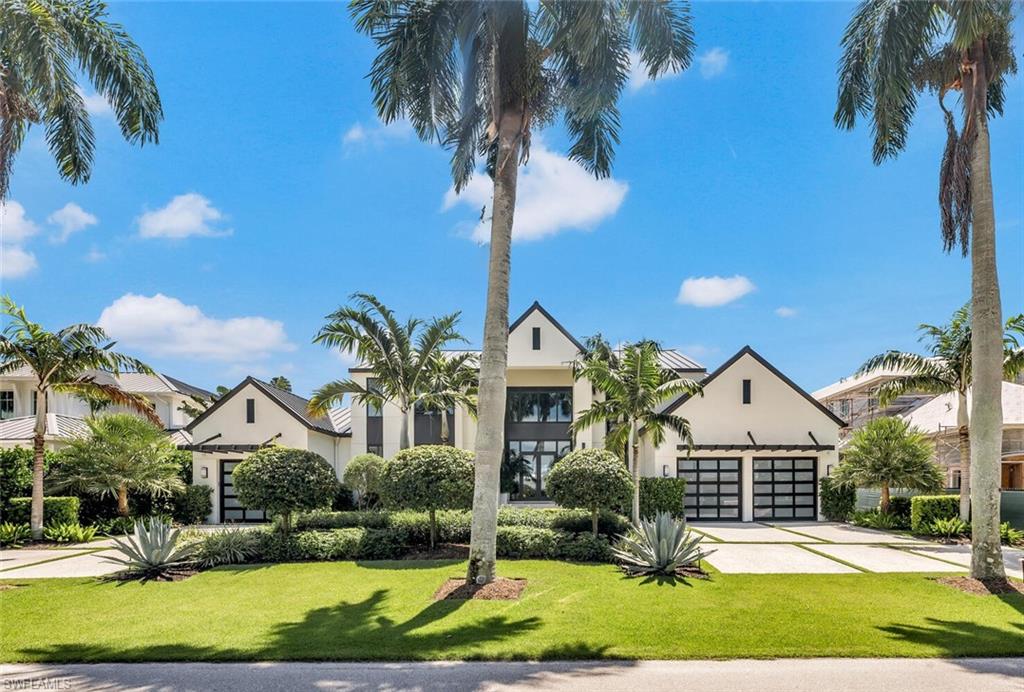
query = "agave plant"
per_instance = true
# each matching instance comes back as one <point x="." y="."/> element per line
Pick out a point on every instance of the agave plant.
<point x="151" y="551"/>
<point x="13" y="535"/>
<point x="662" y="545"/>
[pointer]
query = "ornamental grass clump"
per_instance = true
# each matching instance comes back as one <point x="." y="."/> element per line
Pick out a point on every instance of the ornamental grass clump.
<point x="662" y="545"/>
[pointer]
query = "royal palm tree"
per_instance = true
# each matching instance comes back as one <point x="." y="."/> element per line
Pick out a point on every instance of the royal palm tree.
<point x="45" y="46"/>
<point x="74" y="360"/>
<point x="122" y="453"/>
<point x="894" y="50"/>
<point x="400" y="355"/>
<point x="635" y="386"/>
<point x="479" y="76"/>
<point x="946" y="369"/>
<point x="453" y="381"/>
<point x="281" y="382"/>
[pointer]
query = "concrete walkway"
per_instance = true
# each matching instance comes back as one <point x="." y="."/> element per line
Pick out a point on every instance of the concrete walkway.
<point x="781" y="675"/>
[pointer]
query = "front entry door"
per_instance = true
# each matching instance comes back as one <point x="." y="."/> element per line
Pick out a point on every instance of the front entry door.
<point x="532" y="459"/>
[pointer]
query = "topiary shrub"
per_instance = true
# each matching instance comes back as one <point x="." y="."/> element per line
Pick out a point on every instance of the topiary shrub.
<point x="926" y="509"/>
<point x="526" y="542"/>
<point x="56" y="510"/>
<point x="662" y="495"/>
<point x="381" y="544"/>
<point x="591" y="479"/>
<point x="192" y="505"/>
<point x="429" y="478"/>
<point x="838" y="500"/>
<point x="582" y="547"/>
<point x="363" y="475"/>
<point x="282" y="481"/>
<point x="337" y="544"/>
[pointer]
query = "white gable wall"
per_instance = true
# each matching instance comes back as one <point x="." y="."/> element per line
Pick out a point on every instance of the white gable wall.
<point x="556" y="350"/>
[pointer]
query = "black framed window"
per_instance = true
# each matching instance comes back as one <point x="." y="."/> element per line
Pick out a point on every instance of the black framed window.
<point x="536" y="338"/>
<point x="427" y="426"/>
<point x="231" y="510"/>
<point x="527" y="405"/>
<point x="375" y="449"/>
<point x="746" y="391"/>
<point x="6" y="404"/>
<point x="250" y="410"/>
<point x="785" y="488"/>
<point x="714" y="488"/>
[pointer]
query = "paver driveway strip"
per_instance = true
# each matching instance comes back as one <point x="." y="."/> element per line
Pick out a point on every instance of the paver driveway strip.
<point x="842" y="533"/>
<point x="880" y="558"/>
<point x="737" y="532"/>
<point x="961" y="555"/>
<point x="760" y="558"/>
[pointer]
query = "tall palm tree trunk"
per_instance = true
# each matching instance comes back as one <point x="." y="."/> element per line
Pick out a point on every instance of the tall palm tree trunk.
<point x="883" y="501"/>
<point x="635" y="468"/>
<point x="122" y="500"/>
<point x="964" y="444"/>
<point x="39" y="455"/>
<point x="490" y="432"/>
<point x="403" y="436"/>
<point x="986" y="349"/>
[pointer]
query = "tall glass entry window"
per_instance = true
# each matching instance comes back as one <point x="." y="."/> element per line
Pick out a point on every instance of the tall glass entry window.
<point x="537" y="436"/>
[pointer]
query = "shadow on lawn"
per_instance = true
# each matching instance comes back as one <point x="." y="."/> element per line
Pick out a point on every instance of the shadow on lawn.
<point x="956" y="638"/>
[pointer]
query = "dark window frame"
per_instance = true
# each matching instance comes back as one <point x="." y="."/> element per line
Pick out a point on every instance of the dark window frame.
<point x="693" y="489"/>
<point x="536" y="338"/>
<point x="746" y="391"/>
<point x="7" y="395"/>
<point x="257" y="515"/>
<point x="771" y="509"/>
<point x="250" y="411"/>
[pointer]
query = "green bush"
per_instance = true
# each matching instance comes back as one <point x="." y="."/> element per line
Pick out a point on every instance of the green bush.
<point x="838" y="501"/>
<point x="899" y="507"/>
<point x="875" y="519"/>
<point x="13" y="535"/>
<point x="429" y="478"/>
<point x="192" y="505"/>
<point x="69" y="533"/>
<point x="336" y="544"/>
<point x="591" y="479"/>
<point x="363" y="475"/>
<point x="56" y="510"/>
<point x="526" y="542"/>
<point x="582" y="547"/>
<point x="381" y="544"/>
<point x="283" y="481"/>
<point x="15" y="474"/>
<point x="342" y="499"/>
<point x="662" y="495"/>
<point x="228" y="547"/>
<point x="926" y="509"/>
<point x="117" y="526"/>
<point x="952" y="527"/>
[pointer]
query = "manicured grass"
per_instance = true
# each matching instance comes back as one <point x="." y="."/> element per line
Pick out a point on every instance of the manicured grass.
<point x="385" y="611"/>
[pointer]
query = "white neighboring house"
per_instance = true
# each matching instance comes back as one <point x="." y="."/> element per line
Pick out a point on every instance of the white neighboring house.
<point x="761" y="442"/>
<point x="66" y="413"/>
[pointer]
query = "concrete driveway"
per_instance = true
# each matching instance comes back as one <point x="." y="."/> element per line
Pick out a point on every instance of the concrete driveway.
<point x="83" y="560"/>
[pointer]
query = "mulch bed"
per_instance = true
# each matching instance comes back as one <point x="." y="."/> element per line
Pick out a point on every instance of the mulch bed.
<point x="983" y="587"/>
<point x="445" y="551"/>
<point x="501" y="589"/>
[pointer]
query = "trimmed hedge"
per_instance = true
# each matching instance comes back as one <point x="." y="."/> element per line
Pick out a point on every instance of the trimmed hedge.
<point x="192" y="505"/>
<point x="838" y="501"/>
<point x="56" y="510"/>
<point x="662" y="495"/>
<point x="926" y="509"/>
<point x="525" y="542"/>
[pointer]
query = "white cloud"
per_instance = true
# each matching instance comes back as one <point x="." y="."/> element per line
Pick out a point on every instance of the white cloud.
<point x="70" y="218"/>
<point x="713" y="291"/>
<point x="95" y="255"/>
<point x="361" y="135"/>
<point x="15" y="262"/>
<point x="783" y="311"/>
<point x="96" y="105"/>
<point x="713" y="62"/>
<point x="638" y="74"/>
<point x="185" y="215"/>
<point x="554" y="194"/>
<point x="165" y="326"/>
<point x="15" y="226"/>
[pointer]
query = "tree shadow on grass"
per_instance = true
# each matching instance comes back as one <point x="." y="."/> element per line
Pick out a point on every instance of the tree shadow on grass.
<point x="408" y="564"/>
<point x="955" y="638"/>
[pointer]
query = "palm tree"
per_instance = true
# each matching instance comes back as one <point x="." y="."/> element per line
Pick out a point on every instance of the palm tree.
<point x="478" y="75"/>
<point x="45" y="45"/>
<point x="281" y="382"/>
<point x="400" y="355"/>
<point x="888" y="453"/>
<point x="634" y="386"/>
<point x="893" y="50"/>
<point x="69" y="360"/>
<point x="122" y="453"/>
<point x="452" y="381"/>
<point x="947" y="369"/>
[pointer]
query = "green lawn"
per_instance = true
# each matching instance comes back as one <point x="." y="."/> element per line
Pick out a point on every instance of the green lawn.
<point x="384" y="611"/>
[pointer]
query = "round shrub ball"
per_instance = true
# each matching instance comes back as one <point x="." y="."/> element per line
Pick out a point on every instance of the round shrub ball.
<point x="363" y="474"/>
<point x="282" y="481"/>
<point x="592" y="479"/>
<point x="429" y="477"/>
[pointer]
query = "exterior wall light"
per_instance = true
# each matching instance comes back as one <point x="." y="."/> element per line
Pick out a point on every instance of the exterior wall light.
<point x="664" y="470"/>
<point x="204" y="472"/>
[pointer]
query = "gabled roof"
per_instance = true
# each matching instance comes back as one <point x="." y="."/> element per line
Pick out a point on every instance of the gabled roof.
<point x="537" y="307"/>
<point x="58" y="426"/>
<point x="748" y="351"/>
<point x="294" y="404"/>
<point x="135" y="382"/>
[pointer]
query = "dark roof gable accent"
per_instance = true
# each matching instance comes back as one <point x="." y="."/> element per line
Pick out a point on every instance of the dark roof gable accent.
<point x="538" y="307"/>
<point x="747" y="350"/>
<point x="292" y="403"/>
<point x="186" y="388"/>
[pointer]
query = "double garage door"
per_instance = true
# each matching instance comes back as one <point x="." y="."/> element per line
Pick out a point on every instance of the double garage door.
<point x="782" y="488"/>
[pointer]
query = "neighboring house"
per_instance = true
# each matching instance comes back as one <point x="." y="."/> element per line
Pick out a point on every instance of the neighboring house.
<point x="66" y="413"/>
<point x="761" y="442"/>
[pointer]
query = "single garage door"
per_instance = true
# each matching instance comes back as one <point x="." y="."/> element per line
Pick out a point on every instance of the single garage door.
<point x="785" y="488"/>
<point x="713" y="488"/>
<point x="231" y="509"/>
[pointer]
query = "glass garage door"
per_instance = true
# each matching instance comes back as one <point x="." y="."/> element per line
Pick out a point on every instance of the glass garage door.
<point x="785" y="488"/>
<point x="712" y="488"/>
<point x="231" y="509"/>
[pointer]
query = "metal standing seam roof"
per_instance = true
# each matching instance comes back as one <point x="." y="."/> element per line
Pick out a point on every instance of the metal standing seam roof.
<point x="57" y="426"/>
<point x="136" y="382"/>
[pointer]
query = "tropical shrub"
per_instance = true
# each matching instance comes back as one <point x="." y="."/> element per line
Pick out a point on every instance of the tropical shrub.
<point x="56" y="510"/>
<point x="16" y="473"/>
<point x="343" y="501"/>
<point x="662" y="545"/>
<point x="337" y="544"/>
<point x="13" y="535"/>
<point x="526" y="542"/>
<point x="153" y="551"/>
<point x="362" y="475"/>
<point x="876" y="519"/>
<point x="283" y="481"/>
<point x="381" y="544"/>
<point x="926" y="509"/>
<point x="899" y="507"/>
<point x="951" y="527"/>
<point x="838" y="500"/>
<point x="69" y="533"/>
<point x="429" y="478"/>
<point x="591" y="479"/>
<point x="117" y="526"/>
<point x="192" y="505"/>
<point x="582" y="547"/>
<point x="662" y="495"/>
<point x="228" y="547"/>
<point x="1010" y="535"/>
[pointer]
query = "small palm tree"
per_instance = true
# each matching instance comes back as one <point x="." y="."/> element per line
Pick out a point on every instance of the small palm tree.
<point x="122" y="453"/>
<point x="45" y="46"/>
<point x="894" y="50"/>
<point x="947" y="369"/>
<point x="634" y="386"/>
<point x="402" y="356"/>
<point x="452" y="381"/>
<point x="281" y="382"/>
<point x="67" y="360"/>
<point x="889" y="453"/>
<point x="478" y="76"/>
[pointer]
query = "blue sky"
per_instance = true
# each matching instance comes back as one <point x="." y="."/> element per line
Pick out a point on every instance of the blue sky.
<point x="275" y="193"/>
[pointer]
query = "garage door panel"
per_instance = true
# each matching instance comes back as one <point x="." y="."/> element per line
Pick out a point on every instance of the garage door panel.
<point x="713" y="488"/>
<point x="785" y="488"/>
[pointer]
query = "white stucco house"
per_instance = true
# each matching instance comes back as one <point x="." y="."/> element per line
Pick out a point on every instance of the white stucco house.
<point x="760" y="442"/>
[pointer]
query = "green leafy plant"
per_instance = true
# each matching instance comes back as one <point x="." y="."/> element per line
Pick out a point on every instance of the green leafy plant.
<point x="951" y="527"/>
<point x="591" y="479"/>
<point x="582" y="547"/>
<point x="838" y="501"/>
<point x="1010" y="535"/>
<point x="69" y="533"/>
<point x="429" y="478"/>
<point x="662" y="495"/>
<point x="14" y="535"/>
<point x="284" y="481"/>
<point x="362" y="474"/>
<point x="152" y="551"/>
<point x="192" y="505"/>
<point x="926" y="509"/>
<point x="56" y="510"/>
<point x="875" y="519"/>
<point x="526" y="542"/>
<point x="662" y="545"/>
<point x="227" y="547"/>
<point x="117" y="526"/>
